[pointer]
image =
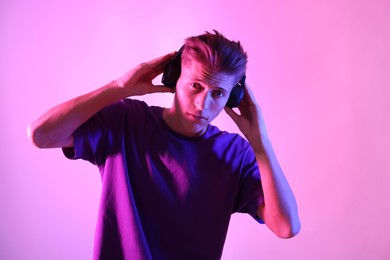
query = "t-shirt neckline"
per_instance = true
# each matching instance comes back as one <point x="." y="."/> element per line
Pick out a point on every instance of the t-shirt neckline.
<point x="205" y="135"/>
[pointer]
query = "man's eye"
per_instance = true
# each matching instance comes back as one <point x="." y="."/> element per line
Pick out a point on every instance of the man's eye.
<point x="196" y="85"/>
<point x="218" y="93"/>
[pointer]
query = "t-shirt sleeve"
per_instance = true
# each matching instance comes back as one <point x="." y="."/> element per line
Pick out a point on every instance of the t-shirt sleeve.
<point x="250" y="194"/>
<point x="97" y="137"/>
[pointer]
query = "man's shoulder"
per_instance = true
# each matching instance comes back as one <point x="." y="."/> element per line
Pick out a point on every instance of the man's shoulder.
<point x="134" y="107"/>
<point x="133" y="103"/>
<point x="226" y="136"/>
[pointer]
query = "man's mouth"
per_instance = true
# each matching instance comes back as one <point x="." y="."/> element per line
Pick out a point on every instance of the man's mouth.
<point x="197" y="118"/>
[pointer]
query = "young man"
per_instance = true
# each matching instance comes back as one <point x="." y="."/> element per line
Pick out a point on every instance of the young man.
<point x="171" y="180"/>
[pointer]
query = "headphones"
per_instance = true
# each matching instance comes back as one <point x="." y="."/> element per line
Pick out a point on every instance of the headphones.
<point x="172" y="73"/>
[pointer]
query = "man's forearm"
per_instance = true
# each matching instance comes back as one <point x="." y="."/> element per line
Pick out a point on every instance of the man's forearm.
<point x="279" y="211"/>
<point x="55" y="128"/>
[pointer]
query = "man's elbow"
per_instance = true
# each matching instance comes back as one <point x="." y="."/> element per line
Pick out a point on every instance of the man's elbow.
<point x="289" y="230"/>
<point x="32" y="135"/>
<point x="43" y="138"/>
<point x="36" y="136"/>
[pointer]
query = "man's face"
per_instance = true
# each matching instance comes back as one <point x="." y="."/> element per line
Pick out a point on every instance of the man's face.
<point x="200" y="97"/>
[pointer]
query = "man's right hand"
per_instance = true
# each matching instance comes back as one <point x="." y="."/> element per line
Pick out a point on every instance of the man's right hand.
<point x="138" y="81"/>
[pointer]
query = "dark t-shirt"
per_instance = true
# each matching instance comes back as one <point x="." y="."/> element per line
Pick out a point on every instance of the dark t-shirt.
<point x="164" y="195"/>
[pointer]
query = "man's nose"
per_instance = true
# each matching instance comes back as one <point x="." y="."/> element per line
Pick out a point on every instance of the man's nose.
<point x="202" y="100"/>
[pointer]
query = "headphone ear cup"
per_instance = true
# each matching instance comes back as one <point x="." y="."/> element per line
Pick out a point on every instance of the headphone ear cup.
<point x="172" y="70"/>
<point x="171" y="75"/>
<point x="237" y="94"/>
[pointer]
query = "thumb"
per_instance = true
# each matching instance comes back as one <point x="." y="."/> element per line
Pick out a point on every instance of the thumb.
<point x="163" y="89"/>
<point x="232" y="114"/>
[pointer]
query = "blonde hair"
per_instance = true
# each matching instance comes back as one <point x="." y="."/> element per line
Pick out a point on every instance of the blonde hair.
<point x="217" y="53"/>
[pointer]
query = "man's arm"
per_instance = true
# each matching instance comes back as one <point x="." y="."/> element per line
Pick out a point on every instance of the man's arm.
<point x="279" y="211"/>
<point x="55" y="128"/>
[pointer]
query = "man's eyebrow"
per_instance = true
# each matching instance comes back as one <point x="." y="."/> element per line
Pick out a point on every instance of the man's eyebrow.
<point x="198" y="79"/>
<point x="220" y="88"/>
<point x="213" y="83"/>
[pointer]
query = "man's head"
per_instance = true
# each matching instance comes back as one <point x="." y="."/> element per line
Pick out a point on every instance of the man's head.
<point x="211" y="66"/>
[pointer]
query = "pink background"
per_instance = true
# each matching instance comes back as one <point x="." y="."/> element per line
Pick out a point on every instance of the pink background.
<point x="320" y="70"/>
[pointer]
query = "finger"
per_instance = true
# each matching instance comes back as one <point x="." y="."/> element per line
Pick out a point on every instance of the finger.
<point x="250" y="97"/>
<point x="154" y="73"/>
<point x="156" y="66"/>
<point x="162" y="89"/>
<point x="160" y="62"/>
<point x="232" y="114"/>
